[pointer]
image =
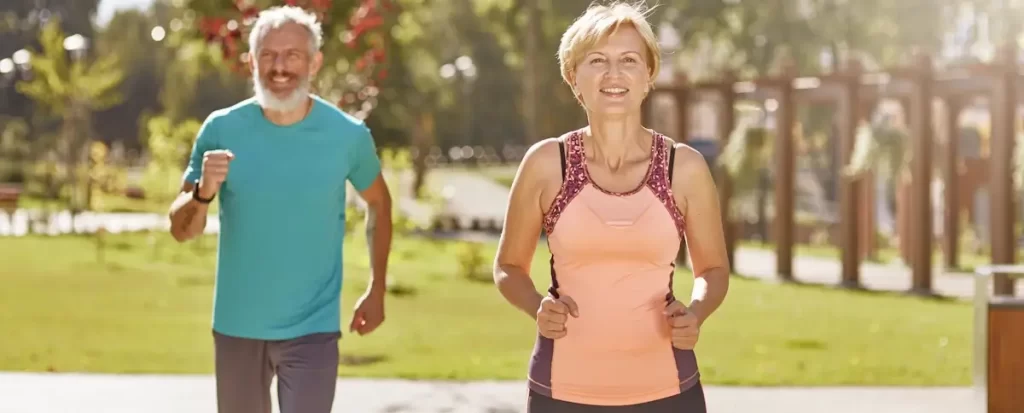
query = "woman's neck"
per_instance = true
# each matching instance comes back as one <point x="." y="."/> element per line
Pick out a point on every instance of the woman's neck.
<point x="617" y="140"/>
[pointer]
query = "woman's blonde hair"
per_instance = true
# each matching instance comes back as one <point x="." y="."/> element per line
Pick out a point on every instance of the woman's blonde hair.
<point x="599" y="22"/>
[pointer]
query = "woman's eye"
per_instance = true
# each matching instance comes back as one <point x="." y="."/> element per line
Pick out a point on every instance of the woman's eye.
<point x="629" y="60"/>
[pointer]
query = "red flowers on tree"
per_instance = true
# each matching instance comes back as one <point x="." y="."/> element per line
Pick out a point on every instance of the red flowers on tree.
<point x="366" y="19"/>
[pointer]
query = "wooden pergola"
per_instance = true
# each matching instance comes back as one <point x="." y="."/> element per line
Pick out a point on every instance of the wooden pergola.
<point x="854" y="93"/>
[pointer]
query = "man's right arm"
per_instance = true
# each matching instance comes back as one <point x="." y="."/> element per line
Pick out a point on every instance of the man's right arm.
<point x="188" y="217"/>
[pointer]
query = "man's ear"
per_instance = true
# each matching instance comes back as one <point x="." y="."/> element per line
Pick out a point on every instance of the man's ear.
<point x="317" y="64"/>
<point x="250" y="61"/>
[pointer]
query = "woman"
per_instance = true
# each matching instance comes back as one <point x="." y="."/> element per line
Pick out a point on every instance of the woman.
<point x="615" y="199"/>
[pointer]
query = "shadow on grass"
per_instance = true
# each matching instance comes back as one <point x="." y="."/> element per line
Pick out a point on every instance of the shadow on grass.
<point x="402" y="290"/>
<point x="806" y="344"/>
<point x="353" y="360"/>
<point x="195" y="280"/>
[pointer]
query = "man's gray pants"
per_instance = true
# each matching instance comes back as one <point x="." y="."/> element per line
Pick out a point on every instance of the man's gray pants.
<point x="306" y="369"/>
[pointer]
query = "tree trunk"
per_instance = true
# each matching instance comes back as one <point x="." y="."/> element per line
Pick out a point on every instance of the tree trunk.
<point x="423" y="138"/>
<point x="762" y="205"/>
<point x="531" y="70"/>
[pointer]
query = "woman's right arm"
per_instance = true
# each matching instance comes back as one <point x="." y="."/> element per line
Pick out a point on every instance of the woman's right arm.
<point x="522" y="227"/>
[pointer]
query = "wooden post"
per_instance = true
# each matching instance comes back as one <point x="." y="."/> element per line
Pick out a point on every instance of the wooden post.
<point x="998" y="338"/>
<point x="868" y="224"/>
<point x="903" y="180"/>
<point x="682" y="94"/>
<point x="867" y="233"/>
<point x="921" y="171"/>
<point x="1004" y="111"/>
<point x="726" y="123"/>
<point x="849" y="118"/>
<point x="951" y="192"/>
<point x="1005" y="360"/>
<point x="785" y="159"/>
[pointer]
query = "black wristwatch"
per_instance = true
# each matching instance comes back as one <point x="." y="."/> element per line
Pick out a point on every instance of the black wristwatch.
<point x="197" y="198"/>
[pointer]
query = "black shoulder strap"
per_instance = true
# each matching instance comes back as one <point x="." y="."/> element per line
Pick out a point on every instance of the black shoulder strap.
<point x="671" y="161"/>
<point x="561" y="152"/>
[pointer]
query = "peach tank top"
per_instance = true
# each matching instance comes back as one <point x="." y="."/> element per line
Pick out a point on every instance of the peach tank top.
<point x="614" y="254"/>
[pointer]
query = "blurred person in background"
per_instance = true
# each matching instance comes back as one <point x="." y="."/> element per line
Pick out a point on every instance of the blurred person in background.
<point x="279" y="163"/>
<point x="615" y="199"/>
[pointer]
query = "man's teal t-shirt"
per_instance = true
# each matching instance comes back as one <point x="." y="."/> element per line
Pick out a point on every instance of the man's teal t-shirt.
<point x="282" y="216"/>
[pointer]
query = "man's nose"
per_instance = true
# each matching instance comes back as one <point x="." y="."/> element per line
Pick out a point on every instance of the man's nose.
<point x="278" y="62"/>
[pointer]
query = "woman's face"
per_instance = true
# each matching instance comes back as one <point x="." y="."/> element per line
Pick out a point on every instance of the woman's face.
<point x="613" y="78"/>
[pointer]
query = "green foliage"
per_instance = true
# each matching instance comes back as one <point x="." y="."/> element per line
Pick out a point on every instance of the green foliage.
<point x="472" y="263"/>
<point x="744" y="156"/>
<point x="881" y="148"/>
<point x="105" y="177"/>
<point x="396" y="159"/>
<point x="14" y="149"/>
<point x="46" y="178"/>
<point x="169" y="145"/>
<point x="354" y="217"/>
<point x="70" y="90"/>
<point x="58" y="84"/>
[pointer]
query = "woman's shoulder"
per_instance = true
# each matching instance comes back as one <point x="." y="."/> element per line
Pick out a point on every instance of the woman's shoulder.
<point x="546" y="151"/>
<point x="543" y="160"/>
<point x="681" y="149"/>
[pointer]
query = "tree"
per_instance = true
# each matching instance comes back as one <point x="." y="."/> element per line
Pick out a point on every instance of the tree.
<point x="71" y="90"/>
<point x="169" y="145"/>
<point x="746" y="160"/>
<point x="14" y="150"/>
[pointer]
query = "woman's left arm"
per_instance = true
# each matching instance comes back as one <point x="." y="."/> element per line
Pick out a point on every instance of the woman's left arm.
<point x="697" y="198"/>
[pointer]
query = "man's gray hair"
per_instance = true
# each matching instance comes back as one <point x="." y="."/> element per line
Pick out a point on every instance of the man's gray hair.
<point x="276" y="17"/>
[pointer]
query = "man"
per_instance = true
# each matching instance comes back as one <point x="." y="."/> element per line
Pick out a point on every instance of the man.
<point x="279" y="164"/>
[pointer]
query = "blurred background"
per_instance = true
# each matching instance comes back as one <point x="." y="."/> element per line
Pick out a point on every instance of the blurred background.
<point x="867" y="153"/>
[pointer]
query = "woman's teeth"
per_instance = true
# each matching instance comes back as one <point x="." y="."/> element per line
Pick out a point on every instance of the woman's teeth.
<point x="614" y="90"/>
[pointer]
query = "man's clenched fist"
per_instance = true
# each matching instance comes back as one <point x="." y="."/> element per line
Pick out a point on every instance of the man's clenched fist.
<point x="215" y="170"/>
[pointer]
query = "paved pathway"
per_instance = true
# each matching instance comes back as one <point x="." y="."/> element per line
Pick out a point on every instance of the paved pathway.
<point x="760" y="263"/>
<point x="74" y="393"/>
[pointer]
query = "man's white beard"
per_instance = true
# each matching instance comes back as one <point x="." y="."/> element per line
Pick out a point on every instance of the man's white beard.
<point x="269" y="101"/>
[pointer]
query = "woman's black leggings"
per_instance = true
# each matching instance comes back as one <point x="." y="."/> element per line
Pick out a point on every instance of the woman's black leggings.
<point x="690" y="401"/>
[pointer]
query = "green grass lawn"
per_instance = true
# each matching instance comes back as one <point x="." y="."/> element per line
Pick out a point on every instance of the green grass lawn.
<point x="146" y="310"/>
<point x="112" y="203"/>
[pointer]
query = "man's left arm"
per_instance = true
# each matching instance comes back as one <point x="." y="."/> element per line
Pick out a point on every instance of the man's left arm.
<point x="378" y="230"/>
<point x="367" y="178"/>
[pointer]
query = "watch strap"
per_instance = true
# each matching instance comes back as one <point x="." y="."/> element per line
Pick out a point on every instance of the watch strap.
<point x="199" y="199"/>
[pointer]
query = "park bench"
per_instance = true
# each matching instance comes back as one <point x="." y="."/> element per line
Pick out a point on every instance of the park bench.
<point x="998" y="343"/>
<point x="9" y="195"/>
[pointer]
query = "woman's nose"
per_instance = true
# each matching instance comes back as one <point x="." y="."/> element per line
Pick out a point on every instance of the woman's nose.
<point x="613" y="69"/>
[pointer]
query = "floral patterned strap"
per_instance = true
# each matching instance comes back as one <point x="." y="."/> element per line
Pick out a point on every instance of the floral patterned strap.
<point x="575" y="179"/>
